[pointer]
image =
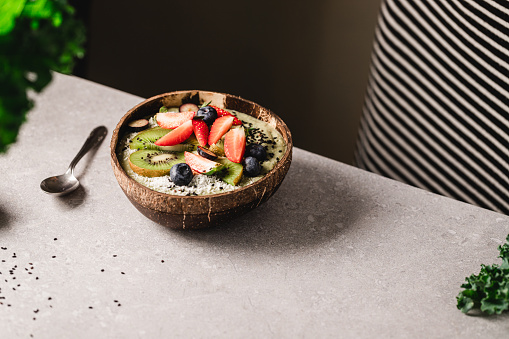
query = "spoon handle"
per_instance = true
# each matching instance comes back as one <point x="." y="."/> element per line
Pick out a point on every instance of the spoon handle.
<point x="95" y="138"/>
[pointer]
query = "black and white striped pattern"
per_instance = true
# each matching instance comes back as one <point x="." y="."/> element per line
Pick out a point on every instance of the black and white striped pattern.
<point x="436" y="113"/>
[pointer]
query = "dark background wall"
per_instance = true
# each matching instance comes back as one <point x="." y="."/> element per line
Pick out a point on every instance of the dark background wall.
<point x="305" y="60"/>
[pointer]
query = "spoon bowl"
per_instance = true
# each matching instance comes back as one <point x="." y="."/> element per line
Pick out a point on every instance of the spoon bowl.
<point x="67" y="182"/>
<point x="60" y="184"/>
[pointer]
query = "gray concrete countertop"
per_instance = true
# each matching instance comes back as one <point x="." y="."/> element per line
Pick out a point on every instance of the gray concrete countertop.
<point x="336" y="252"/>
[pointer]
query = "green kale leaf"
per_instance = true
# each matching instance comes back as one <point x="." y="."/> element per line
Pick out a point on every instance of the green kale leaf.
<point x="36" y="36"/>
<point x="489" y="290"/>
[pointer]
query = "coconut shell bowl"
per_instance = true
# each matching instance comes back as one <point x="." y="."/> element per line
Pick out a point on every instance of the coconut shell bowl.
<point x="194" y="212"/>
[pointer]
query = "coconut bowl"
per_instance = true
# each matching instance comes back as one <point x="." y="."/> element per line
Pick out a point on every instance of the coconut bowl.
<point x="194" y="212"/>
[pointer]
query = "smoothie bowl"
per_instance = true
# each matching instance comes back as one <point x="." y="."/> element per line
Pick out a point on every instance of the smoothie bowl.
<point x="194" y="159"/>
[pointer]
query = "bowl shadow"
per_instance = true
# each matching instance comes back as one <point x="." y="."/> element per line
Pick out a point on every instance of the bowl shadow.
<point x="307" y="211"/>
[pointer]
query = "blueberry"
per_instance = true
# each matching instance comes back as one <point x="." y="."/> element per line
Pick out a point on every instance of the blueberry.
<point x="208" y="113"/>
<point x="181" y="174"/>
<point x="251" y="166"/>
<point x="257" y="151"/>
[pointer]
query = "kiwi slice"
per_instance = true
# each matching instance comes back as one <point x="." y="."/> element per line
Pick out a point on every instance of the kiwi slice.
<point x="218" y="148"/>
<point x="232" y="172"/>
<point x="165" y="109"/>
<point x="154" y="163"/>
<point x="146" y="139"/>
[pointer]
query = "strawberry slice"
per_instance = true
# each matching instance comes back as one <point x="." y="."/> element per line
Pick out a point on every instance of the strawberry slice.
<point x="201" y="131"/>
<point x="219" y="128"/>
<point x="177" y="135"/>
<point x="235" y="144"/>
<point x="221" y="113"/>
<point x="201" y="165"/>
<point x="172" y="120"/>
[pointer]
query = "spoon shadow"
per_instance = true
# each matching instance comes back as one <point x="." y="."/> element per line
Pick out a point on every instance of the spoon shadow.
<point x="74" y="199"/>
<point x="5" y="219"/>
<point x="87" y="160"/>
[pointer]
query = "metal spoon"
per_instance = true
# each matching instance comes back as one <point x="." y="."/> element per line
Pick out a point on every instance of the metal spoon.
<point x="66" y="183"/>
